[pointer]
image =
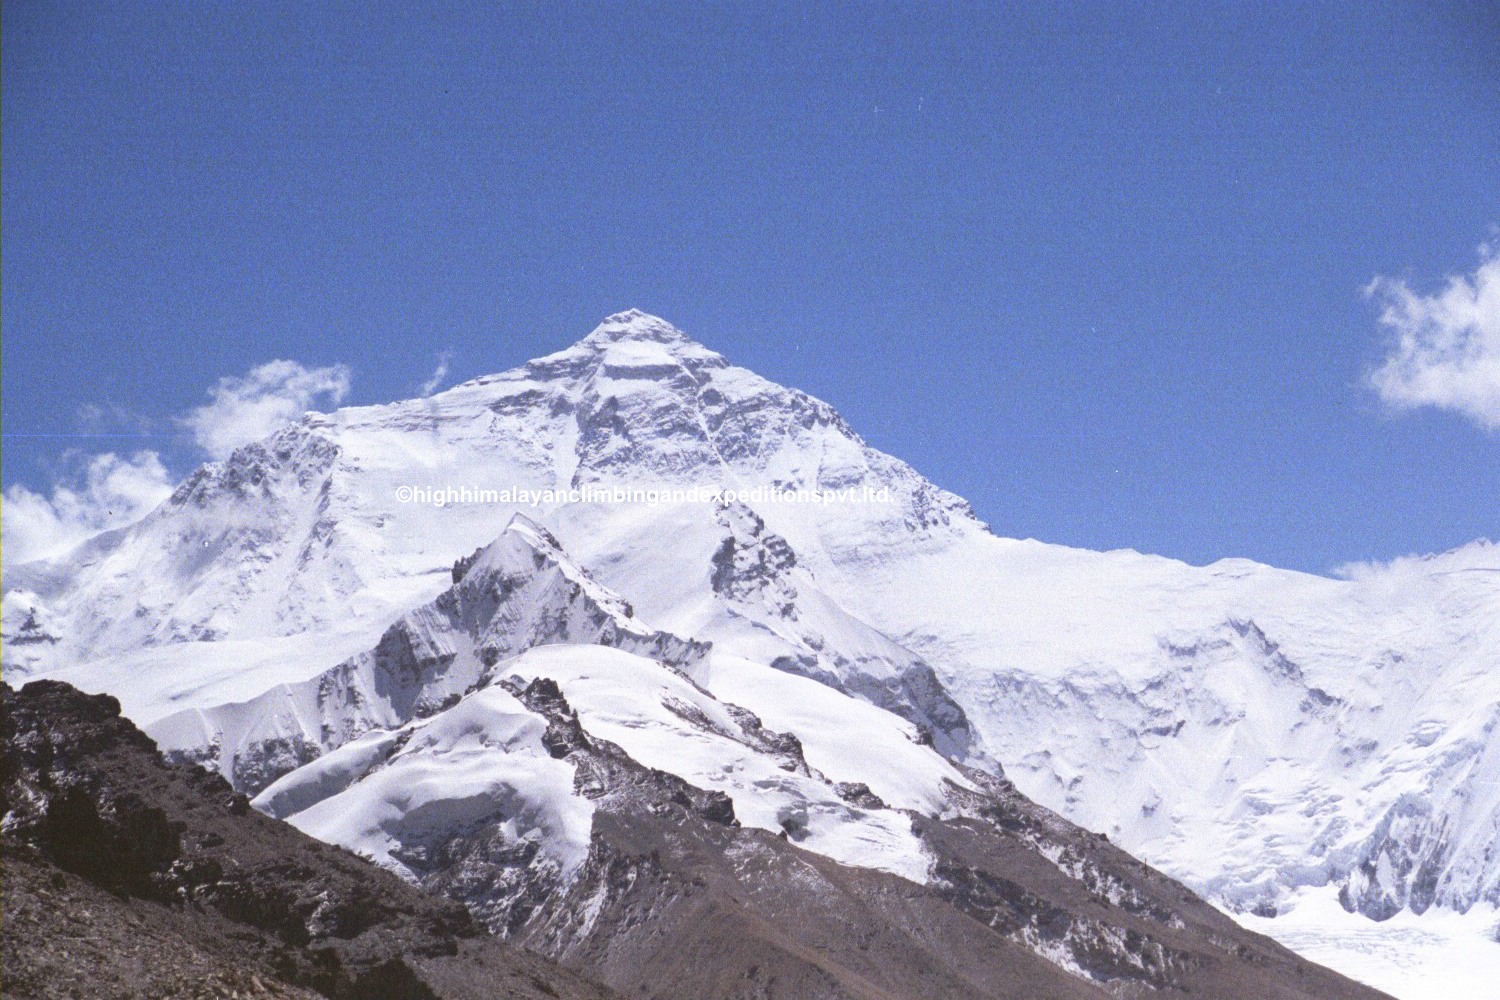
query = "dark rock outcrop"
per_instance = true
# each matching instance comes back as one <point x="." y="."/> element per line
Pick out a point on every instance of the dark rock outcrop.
<point x="126" y="876"/>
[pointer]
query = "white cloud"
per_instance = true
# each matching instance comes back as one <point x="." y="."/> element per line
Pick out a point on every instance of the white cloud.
<point x="1401" y="572"/>
<point x="250" y="407"/>
<point x="438" y="375"/>
<point x="99" y="492"/>
<point x="106" y="419"/>
<point x="104" y="491"/>
<point x="1445" y="349"/>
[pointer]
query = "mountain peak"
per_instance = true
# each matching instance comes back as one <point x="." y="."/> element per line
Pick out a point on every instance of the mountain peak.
<point x="632" y="344"/>
<point x="635" y="325"/>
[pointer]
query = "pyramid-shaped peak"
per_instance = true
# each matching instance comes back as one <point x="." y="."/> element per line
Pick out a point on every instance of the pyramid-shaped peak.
<point x="521" y="535"/>
<point x="537" y="537"/>
<point x="635" y="325"/>
<point x="631" y="344"/>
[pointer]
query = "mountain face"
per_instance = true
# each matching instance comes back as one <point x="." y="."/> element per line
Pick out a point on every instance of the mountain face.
<point x="627" y="802"/>
<point x="129" y="877"/>
<point x="472" y="696"/>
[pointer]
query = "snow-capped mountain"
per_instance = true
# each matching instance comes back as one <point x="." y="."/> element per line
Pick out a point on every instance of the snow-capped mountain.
<point x="303" y="540"/>
<point x="291" y="616"/>
<point x="587" y="785"/>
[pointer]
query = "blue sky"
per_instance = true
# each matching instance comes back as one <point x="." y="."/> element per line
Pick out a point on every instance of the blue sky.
<point x="1104" y="269"/>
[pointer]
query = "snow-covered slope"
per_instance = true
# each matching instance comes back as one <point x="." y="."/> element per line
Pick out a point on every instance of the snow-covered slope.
<point x="397" y="737"/>
<point x="1250" y="730"/>
<point x="514" y="742"/>
<point x="517" y="592"/>
<point x="1255" y="729"/>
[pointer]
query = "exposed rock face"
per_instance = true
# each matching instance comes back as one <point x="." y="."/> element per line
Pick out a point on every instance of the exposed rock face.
<point x="129" y="877"/>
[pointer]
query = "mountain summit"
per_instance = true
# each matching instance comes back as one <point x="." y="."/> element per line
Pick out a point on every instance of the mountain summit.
<point x="633" y="344"/>
<point x="633" y="324"/>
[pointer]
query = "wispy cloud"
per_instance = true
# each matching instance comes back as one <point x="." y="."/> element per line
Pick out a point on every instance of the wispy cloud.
<point x="113" y="419"/>
<point x="96" y="493"/>
<point x="247" y="408"/>
<point x="1480" y="554"/>
<point x="1445" y="345"/>
<point x="438" y="375"/>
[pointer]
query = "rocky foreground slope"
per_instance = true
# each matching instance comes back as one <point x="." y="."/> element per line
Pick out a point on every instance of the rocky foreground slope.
<point x="126" y="877"/>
